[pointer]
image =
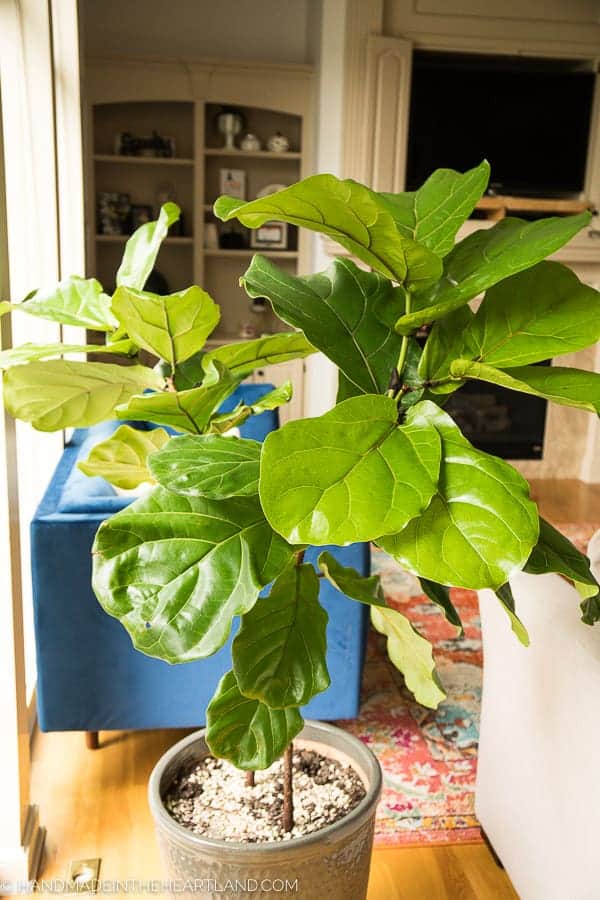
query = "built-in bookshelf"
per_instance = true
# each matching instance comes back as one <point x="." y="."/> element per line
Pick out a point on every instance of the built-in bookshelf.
<point x="180" y="103"/>
<point x="193" y="177"/>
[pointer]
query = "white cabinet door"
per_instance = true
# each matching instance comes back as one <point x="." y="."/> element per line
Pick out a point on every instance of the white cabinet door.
<point x="288" y="371"/>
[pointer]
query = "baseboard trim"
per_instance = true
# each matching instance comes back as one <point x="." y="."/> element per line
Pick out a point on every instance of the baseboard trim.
<point x="21" y="865"/>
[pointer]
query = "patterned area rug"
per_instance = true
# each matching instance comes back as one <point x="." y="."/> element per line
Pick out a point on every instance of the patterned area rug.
<point x="428" y="757"/>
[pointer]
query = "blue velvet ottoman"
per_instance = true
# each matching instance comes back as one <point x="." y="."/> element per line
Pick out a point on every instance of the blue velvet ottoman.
<point x="90" y="678"/>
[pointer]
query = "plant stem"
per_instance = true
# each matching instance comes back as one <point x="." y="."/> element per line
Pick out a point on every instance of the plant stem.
<point x="250" y="779"/>
<point x="288" y="795"/>
<point x="404" y="346"/>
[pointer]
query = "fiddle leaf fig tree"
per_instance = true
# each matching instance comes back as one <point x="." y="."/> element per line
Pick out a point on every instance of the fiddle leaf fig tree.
<point x="229" y="517"/>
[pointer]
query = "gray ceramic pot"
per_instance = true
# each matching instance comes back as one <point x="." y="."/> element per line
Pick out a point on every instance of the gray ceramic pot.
<point x="332" y="863"/>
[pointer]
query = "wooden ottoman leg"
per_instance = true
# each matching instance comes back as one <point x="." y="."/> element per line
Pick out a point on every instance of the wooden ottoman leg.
<point x="91" y="740"/>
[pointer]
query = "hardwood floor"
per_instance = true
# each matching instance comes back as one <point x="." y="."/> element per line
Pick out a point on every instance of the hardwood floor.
<point x="93" y="804"/>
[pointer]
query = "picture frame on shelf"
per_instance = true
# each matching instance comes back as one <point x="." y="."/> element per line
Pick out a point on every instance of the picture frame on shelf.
<point x="154" y="146"/>
<point x="270" y="236"/>
<point x="140" y="214"/>
<point x="114" y="212"/>
<point x="232" y="182"/>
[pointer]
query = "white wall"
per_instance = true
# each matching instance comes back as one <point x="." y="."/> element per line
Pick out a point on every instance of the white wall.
<point x="266" y="30"/>
<point x="320" y="385"/>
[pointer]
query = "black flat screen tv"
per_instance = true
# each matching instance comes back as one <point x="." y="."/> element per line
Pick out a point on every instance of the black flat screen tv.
<point x="529" y="117"/>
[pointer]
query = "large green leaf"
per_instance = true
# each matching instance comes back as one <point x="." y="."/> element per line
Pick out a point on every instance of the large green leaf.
<point x="176" y="570"/>
<point x="348" y="212"/>
<point x="142" y="248"/>
<point x="26" y="353"/>
<point x="433" y="214"/>
<point x="411" y="654"/>
<point x="336" y="312"/>
<point x="555" y="553"/>
<point x="208" y="466"/>
<point x="279" y="652"/>
<point x="243" y="357"/>
<point x="223" y="422"/>
<point x="440" y="595"/>
<point x="59" y="393"/>
<point x="122" y="458"/>
<point x="174" y="327"/>
<point x="365" y="589"/>
<point x="505" y="596"/>
<point x="349" y="475"/>
<point x="534" y="315"/>
<point x="73" y="301"/>
<point x="570" y="387"/>
<point x="188" y="411"/>
<point x="487" y="257"/>
<point x="246" y="732"/>
<point x="480" y="527"/>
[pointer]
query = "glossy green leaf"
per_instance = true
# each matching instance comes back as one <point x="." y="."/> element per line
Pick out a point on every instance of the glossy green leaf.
<point x="433" y="214"/>
<point x="188" y="411"/>
<point x="26" y="353"/>
<point x="244" y="357"/>
<point x="365" y="589"/>
<point x="189" y="374"/>
<point x="590" y="609"/>
<point x="349" y="475"/>
<point x="73" y="301"/>
<point x="245" y="732"/>
<point x="142" y="248"/>
<point x="208" y="466"/>
<point x="480" y="527"/>
<point x="505" y="596"/>
<point x="173" y="327"/>
<point x="487" y="257"/>
<point x="223" y="422"/>
<point x="335" y="310"/>
<point x="411" y="654"/>
<point x="349" y="213"/>
<point x="122" y="459"/>
<point x="569" y="387"/>
<point x="555" y="553"/>
<point x="279" y="653"/>
<point x="446" y="342"/>
<point x="534" y="315"/>
<point x="59" y="393"/>
<point x="440" y="595"/>
<point x="176" y="570"/>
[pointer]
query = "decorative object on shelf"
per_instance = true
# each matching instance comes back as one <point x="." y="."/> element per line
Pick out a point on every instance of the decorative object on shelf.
<point x="273" y="235"/>
<point x="114" y="211"/>
<point x="247" y="330"/>
<point x="259" y="305"/>
<point x="127" y="144"/>
<point x="278" y="143"/>
<point x="140" y="214"/>
<point x="233" y="183"/>
<point x="232" y="240"/>
<point x="211" y="236"/>
<point x="250" y="142"/>
<point x="230" y="122"/>
<point x="270" y="189"/>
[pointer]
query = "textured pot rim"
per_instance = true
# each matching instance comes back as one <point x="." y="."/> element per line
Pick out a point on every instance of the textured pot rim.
<point x="367" y="761"/>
